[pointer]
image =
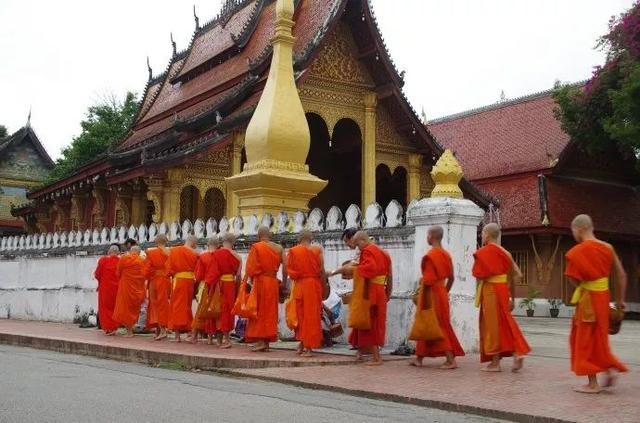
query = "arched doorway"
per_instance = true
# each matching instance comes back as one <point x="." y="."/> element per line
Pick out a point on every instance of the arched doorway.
<point x="391" y="186"/>
<point x="214" y="204"/>
<point x="336" y="159"/>
<point x="189" y="203"/>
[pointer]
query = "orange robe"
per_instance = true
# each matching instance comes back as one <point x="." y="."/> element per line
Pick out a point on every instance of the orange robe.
<point x="223" y="270"/>
<point x="262" y="266"/>
<point x="374" y="262"/>
<point x="589" y="339"/>
<point x="204" y="261"/>
<point x="437" y="267"/>
<point x="131" y="290"/>
<point x="305" y="268"/>
<point x="499" y="332"/>
<point x="106" y="274"/>
<point x="159" y="288"/>
<point x="181" y="265"/>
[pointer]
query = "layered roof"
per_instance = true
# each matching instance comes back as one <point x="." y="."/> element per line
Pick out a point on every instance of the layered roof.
<point x="505" y="138"/>
<point x="213" y="86"/>
<point x="26" y="133"/>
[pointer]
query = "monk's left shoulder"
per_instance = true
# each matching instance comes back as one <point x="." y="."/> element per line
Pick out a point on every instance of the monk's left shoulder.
<point x="275" y="246"/>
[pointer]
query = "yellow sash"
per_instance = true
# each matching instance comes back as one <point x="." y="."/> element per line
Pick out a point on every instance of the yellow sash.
<point x="493" y="279"/>
<point x="182" y="275"/>
<point x="228" y="278"/>
<point x="201" y="289"/>
<point x="379" y="280"/>
<point x="601" y="284"/>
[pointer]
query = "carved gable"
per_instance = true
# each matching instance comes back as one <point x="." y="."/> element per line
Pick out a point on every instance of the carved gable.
<point x="22" y="162"/>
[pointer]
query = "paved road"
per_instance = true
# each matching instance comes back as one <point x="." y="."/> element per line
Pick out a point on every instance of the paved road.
<point x="42" y="386"/>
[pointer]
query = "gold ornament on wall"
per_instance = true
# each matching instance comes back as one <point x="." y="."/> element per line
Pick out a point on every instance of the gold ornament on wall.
<point x="447" y="174"/>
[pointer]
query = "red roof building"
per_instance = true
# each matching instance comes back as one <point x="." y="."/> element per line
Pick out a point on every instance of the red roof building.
<point x="517" y="152"/>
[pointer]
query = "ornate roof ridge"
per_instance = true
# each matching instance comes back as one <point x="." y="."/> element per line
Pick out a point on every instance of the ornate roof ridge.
<point x="498" y="105"/>
<point x="19" y="135"/>
<point x="242" y="38"/>
<point x="383" y="44"/>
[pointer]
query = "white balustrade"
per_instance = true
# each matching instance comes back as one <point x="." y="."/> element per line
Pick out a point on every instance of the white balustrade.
<point x="267" y="220"/>
<point x="373" y="216"/>
<point x="153" y="232"/>
<point x="142" y="233"/>
<point x="198" y="228"/>
<point x="187" y="228"/>
<point x="63" y="240"/>
<point x="174" y="231"/>
<point x="211" y="227"/>
<point x="224" y="226"/>
<point x="394" y="214"/>
<point x="238" y="225"/>
<point x="122" y="235"/>
<point x="95" y="237"/>
<point x="55" y="240"/>
<point x="335" y="221"/>
<point x="252" y="226"/>
<point x="282" y="223"/>
<point x="299" y="220"/>
<point x="315" y="222"/>
<point x="104" y="236"/>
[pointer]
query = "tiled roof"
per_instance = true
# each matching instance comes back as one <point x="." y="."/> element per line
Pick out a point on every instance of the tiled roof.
<point x="20" y="135"/>
<point x="519" y="201"/>
<point x="506" y="138"/>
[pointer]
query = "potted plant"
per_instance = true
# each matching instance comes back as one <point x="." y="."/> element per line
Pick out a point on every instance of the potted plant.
<point x="554" y="306"/>
<point x="529" y="301"/>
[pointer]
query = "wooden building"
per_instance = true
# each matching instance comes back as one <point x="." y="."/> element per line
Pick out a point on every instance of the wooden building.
<point x="517" y="152"/>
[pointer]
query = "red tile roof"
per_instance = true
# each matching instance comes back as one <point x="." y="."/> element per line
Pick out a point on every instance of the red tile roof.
<point x="506" y="138"/>
<point x="519" y="201"/>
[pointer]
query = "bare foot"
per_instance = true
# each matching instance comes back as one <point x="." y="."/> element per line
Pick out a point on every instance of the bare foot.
<point x="359" y="357"/>
<point x="300" y="349"/>
<point x="111" y="333"/>
<point x="161" y="337"/>
<point x="448" y="366"/>
<point x="129" y="335"/>
<point x="307" y="354"/>
<point x="491" y="368"/>
<point x="225" y="345"/>
<point x="587" y="389"/>
<point x="374" y="363"/>
<point x="415" y="363"/>
<point x="610" y="379"/>
<point x="518" y="363"/>
<point x="260" y="348"/>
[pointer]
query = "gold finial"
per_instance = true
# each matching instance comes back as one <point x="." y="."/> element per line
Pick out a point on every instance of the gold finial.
<point x="447" y="174"/>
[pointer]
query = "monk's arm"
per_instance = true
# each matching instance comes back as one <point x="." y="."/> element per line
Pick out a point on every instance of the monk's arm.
<point x="98" y="273"/>
<point x="389" y="286"/>
<point x="283" y="257"/>
<point x="515" y="279"/>
<point x="451" y="279"/>
<point x="621" y="280"/>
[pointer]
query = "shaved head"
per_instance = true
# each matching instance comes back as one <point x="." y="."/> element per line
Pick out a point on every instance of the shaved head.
<point x="191" y="241"/>
<point x="114" y="250"/>
<point x="264" y="233"/>
<point x="134" y="249"/>
<point x="305" y="236"/>
<point x="491" y="233"/>
<point x="161" y="239"/>
<point x="229" y="238"/>
<point x="213" y="242"/>
<point x="582" y="221"/>
<point x="582" y="227"/>
<point x="436" y="232"/>
<point x="361" y="239"/>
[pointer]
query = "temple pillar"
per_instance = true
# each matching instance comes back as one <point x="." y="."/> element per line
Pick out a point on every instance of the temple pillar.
<point x="413" y="177"/>
<point x="369" y="150"/>
<point x="236" y="168"/>
<point x="138" y="204"/>
<point x="459" y="218"/>
<point x="171" y="196"/>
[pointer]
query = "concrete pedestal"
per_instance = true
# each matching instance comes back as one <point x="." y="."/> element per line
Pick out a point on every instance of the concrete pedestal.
<point x="460" y="219"/>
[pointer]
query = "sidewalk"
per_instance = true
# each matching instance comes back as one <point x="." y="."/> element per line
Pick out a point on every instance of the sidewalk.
<point x="542" y="392"/>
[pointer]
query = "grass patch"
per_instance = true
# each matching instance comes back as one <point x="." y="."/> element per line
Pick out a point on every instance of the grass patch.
<point x="172" y="365"/>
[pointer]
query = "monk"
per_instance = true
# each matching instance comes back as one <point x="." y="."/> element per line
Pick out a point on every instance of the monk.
<point x="375" y="267"/>
<point x="201" y="324"/>
<point x="131" y="289"/>
<point x="180" y="267"/>
<point x="225" y="271"/>
<point x="106" y="274"/>
<point x="159" y="287"/>
<point x="305" y="265"/>
<point x="265" y="257"/>
<point x="500" y="335"/>
<point x="437" y="278"/>
<point x="589" y="265"/>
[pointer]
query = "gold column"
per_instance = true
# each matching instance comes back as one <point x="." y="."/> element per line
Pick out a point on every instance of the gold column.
<point x="413" y="180"/>
<point x="369" y="151"/>
<point x="138" y="205"/>
<point x="171" y="196"/>
<point x="236" y="164"/>
<point x="277" y="139"/>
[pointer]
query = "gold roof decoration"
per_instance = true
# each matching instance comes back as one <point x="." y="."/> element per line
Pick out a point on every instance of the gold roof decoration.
<point x="447" y="174"/>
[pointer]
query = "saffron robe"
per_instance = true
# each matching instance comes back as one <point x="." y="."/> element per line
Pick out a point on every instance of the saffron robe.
<point x="200" y="323"/>
<point x="589" y="340"/>
<point x="262" y="266"/>
<point x="159" y="287"/>
<point x="181" y="265"/>
<point x="131" y="290"/>
<point x="304" y="266"/>
<point x="223" y="270"/>
<point x="374" y="263"/>
<point x="106" y="274"/>
<point x="499" y="332"/>
<point x="437" y="267"/>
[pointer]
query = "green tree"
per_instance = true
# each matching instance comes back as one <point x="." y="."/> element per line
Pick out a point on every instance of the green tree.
<point x="605" y="111"/>
<point x="106" y="123"/>
<point x="3" y="131"/>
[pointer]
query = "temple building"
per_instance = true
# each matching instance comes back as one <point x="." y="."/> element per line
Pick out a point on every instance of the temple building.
<point x="517" y="152"/>
<point x="24" y="164"/>
<point x="187" y="141"/>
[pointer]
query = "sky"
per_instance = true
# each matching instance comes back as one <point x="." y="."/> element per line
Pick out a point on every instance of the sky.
<point x="58" y="58"/>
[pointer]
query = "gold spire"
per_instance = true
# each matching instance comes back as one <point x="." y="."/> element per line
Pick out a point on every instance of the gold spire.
<point x="277" y="139"/>
<point x="447" y="174"/>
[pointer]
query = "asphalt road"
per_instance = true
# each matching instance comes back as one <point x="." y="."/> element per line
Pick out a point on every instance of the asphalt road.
<point x="43" y="386"/>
